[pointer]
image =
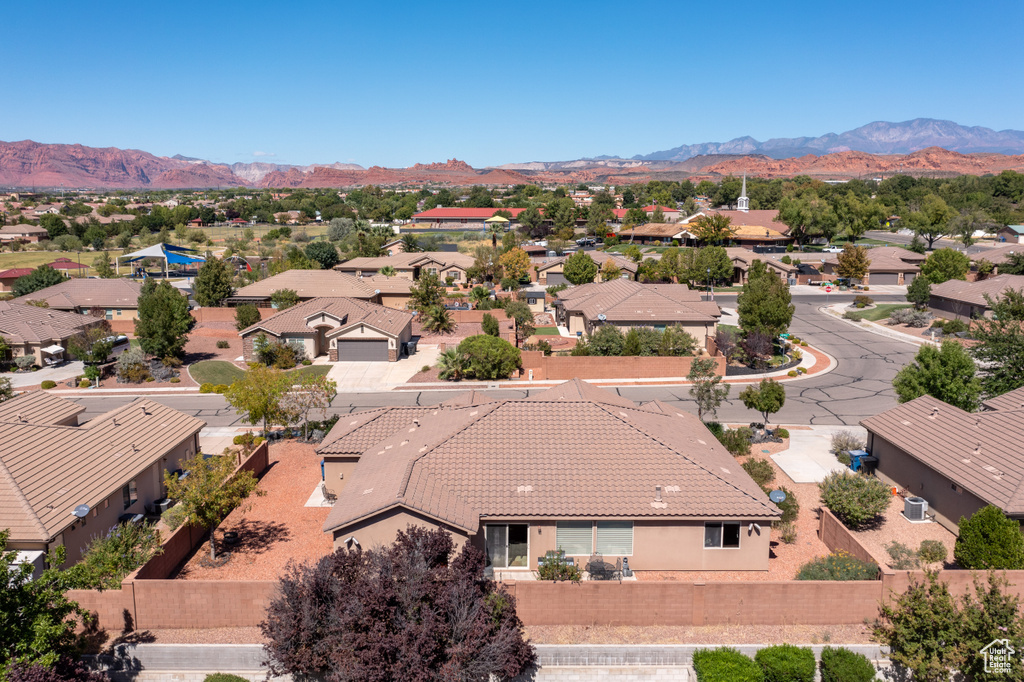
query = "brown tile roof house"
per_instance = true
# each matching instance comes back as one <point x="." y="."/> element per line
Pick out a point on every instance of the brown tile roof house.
<point x="114" y="464"/>
<point x="549" y="273"/>
<point x="29" y="233"/>
<point x="10" y="276"/>
<point x="40" y="407"/>
<point x="80" y="295"/>
<point x="410" y="265"/>
<point x="309" y="284"/>
<point x="593" y="473"/>
<point x="742" y="259"/>
<point x="998" y="254"/>
<point x="957" y="461"/>
<point x="1014" y="400"/>
<point x="653" y="232"/>
<point x="341" y="328"/>
<point x="29" y="329"/>
<point x="886" y="267"/>
<point x="959" y="299"/>
<point x="630" y="304"/>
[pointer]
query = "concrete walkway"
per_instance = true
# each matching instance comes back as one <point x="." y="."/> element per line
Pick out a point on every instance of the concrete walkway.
<point x="68" y="370"/>
<point x="808" y="459"/>
<point x="360" y="376"/>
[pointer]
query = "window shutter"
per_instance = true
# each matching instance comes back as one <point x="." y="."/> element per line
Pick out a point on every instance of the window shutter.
<point x="575" y="538"/>
<point x="615" y="538"/>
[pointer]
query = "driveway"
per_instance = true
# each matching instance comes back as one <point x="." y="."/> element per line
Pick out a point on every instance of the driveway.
<point x="808" y="459"/>
<point x="66" y="371"/>
<point x="372" y="376"/>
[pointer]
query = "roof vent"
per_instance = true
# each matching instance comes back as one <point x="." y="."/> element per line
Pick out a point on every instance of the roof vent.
<point x="977" y="449"/>
<point x="416" y="422"/>
<point x="934" y="414"/>
<point x="657" y="493"/>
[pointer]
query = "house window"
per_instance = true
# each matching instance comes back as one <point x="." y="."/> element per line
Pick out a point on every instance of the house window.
<point x="119" y="312"/>
<point x="532" y="301"/>
<point x="721" y="535"/>
<point x="507" y="545"/>
<point x="130" y="493"/>
<point x="615" y="538"/>
<point x="432" y="271"/>
<point x="454" y="274"/>
<point x="109" y="314"/>
<point x="575" y="538"/>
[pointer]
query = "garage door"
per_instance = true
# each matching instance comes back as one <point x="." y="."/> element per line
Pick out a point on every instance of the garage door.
<point x="556" y="278"/>
<point x="908" y="277"/>
<point x="885" y="278"/>
<point x="363" y="351"/>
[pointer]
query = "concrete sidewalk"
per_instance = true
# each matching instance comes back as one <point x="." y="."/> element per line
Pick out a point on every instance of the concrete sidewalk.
<point x="808" y="459"/>
<point x="359" y="376"/>
<point x="837" y="309"/>
<point x="69" y="370"/>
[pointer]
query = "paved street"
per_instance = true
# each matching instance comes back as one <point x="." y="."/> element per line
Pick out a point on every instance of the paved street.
<point x="860" y="385"/>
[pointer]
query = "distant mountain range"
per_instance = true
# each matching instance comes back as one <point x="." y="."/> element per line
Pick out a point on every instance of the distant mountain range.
<point x="920" y="147"/>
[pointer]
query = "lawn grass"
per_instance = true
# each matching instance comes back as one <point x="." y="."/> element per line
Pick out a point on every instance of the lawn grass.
<point x="730" y="328"/>
<point x="33" y="259"/>
<point x="311" y="370"/>
<point x="546" y="331"/>
<point x="215" y="372"/>
<point x="879" y="312"/>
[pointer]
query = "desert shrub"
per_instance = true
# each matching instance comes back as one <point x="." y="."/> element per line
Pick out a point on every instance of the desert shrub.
<point x="715" y="428"/>
<point x="111" y="557"/>
<point x="307" y="362"/>
<point x="206" y="388"/>
<point x="843" y="665"/>
<point x="760" y="470"/>
<point x="132" y="366"/>
<point x="84" y="383"/>
<point x="246" y="315"/>
<point x="910" y="317"/>
<point x="790" y="506"/>
<point x="844" y="458"/>
<point x="932" y="551"/>
<point x="787" y="533"/>
<point x="425" y="368"/>
<point x="175" y="380"/>
<point x="988" y="539"/>
<point x="555" y="567"/>
<point x="48" y="384"/>
<point x="150" y="378"/>
<point x="863" y="301"/>
<point x="950" y="326"/>
<point x="786" y="663"/>
<point x="221" y="388"/>
<point x="736" y="441"/>
<point x="792" y="373"/>
<point x="223" y="677"/>
<point x="223" y="344"/>
<point x="490" y="357"/>
<point x="171" y="361"/>
<point x="781" y="433"/>
<point x="801" y="370"/>
<point x="844" y="441"/>
<point x="856" y="500"/>
<point x="803" y="344"/>
<point x="24" y="362"/>
<point x="838" y="566"/>
<point x="725" y="664"/>
<point x="901" y="557"/>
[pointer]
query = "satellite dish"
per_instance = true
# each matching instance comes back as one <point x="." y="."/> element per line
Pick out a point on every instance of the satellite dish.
<point x="777" y="496"/>
<point x="376" y="291"/>
<point x="81" y="511"/>
<point x="602" y="317"/>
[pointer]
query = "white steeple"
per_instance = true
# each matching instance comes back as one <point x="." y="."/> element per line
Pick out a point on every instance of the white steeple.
<point x="743" y="204"/>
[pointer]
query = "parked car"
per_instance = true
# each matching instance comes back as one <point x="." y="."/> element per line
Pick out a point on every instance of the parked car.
<point x="586" y="241"/>
<point x="833" y="249"/>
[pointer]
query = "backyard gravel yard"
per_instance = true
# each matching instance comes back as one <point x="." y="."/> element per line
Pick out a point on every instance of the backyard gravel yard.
<point x="273" y="529"/>
<point x="895" y="528"/>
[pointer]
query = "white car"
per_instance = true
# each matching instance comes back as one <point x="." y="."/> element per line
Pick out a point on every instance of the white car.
<point x="832" y="249"/>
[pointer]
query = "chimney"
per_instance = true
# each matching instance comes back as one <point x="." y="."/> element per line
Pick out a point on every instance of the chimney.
<point x="657" y="493"/>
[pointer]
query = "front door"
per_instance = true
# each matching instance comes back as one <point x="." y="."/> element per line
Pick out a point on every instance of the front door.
<point x="507" y="545"/>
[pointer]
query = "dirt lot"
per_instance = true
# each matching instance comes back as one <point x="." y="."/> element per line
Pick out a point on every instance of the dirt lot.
<point x="273" y="529"/>
<point x="895" y="528"/>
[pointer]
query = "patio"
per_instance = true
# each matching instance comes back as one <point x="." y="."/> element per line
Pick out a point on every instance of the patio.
<point x="273" y="529"/>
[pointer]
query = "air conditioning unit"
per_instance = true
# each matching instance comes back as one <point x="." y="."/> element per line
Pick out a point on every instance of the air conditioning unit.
<point x="915" y="508"/>
<point x="163" y="505"/>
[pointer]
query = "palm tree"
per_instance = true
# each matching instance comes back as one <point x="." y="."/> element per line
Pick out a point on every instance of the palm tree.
<point x="438" y="320"/>
<point x="452" y="364"/>
<point x="387" y="271"/>
<point x="478" y="294"/>
<point x="410" y="244"/>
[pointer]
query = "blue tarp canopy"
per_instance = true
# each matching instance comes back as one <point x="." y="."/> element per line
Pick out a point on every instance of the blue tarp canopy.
<point x="177" y="255"/>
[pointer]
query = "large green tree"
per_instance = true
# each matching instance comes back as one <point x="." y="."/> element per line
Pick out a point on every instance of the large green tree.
<point x="768" y="397"/>
<point x="945" y="264"/>
<point x="707" y="390"/>
<point x="213" y="283"/>
<point x="1000" y="347"/>
<point x="258" y="394"/>
<point x="764" y="305"/>
<point x="853" y="262"/>
<point x="324" y="254"/>
<point x="710" y="263"/>
<point x="489" y="357"/>
<point x="164" y="320"/>
<point x="427" y="293"/>
<point x="40" y="278"/>
<point x="579" y="268"/>
<point x="931" y="221"/>
<point x="946" y="373"/>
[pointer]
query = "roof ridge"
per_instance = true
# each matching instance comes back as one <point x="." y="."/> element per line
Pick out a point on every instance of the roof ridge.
<point x="7" y="477"/>
<point x="690" y="459"/>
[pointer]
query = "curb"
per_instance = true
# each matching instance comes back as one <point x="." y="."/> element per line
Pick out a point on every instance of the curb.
<point x="875" y="329"/>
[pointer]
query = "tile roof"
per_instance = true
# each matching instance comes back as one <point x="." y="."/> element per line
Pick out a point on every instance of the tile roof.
<point x="38" y="407"/>
<point x="577" y="459"/>
<point x="407" y="261"/>
<point x="998" y="254"/>
<point x="881" y="260"/>
<point x="664" y="209"/>
<point x="388" y="285"/>
<point x="757" y="217"/>
<point x="661" y="230"/>
<point x="356" y="433"/>
<point x="598" y="257"/>
<point x="748" y="257"/>
<point x="897" y="252"/>
<point x="23" y="229"/>
<point x="20" y="323"/>
<point x="309" y="284"/>
<point x="978" y="451"/>
<point x="758" y="232"/>
<point x="45" y="471"/>
<point x="88" y="293"/>
<point x="975" y="292"/>
<point x="348" y="311"/>
<point x="466" y="213"/>
<point x="628" y="301"/>
<point x="15" y="273"/>
<point x="1014" y="400"/>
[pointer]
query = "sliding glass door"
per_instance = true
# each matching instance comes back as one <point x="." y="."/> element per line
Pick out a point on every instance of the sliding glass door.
<point x="507" y="545"/>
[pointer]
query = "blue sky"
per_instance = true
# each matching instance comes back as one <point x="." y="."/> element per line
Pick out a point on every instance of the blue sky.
<point x="398" y="83"/>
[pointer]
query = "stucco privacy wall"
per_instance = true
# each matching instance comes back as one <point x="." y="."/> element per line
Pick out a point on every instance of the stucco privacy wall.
<point x="564" y="368"/>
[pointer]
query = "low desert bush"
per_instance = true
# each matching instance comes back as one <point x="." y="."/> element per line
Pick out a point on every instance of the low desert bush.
<point x="863" y="301"/>
<point x="223" y="344"/>
<point x="760" y="470"/>
<point x="787" y="533"/>
<point x="843" y="665"/>
<point x="792" y="373"/>
<point x="901" y="557"/>
<point x="221" y="388"/>
<point x="84" y="383"/>
<point x="175" y="380"/>
<point x="856" y="500"/>
<point x="24" y="362"/>
<point x="950" y="326"/>
<point x="786" y="663"/>
<point x="174" y="516"/>
<point x="781" y="433"/>
<point x="206" y="388"/>
<point x="555" y="567"/>
<point x="48" y="384"/>
<point x="110" y="557"/>
<point x="801" y="370"/>
<point x="845" y="440"/>
<point x="838" y="566"/>
<point x="307" y="362"/>
<point x="715" y="428"/>
<point x="790" y="507"/>
<point x="132" y="366"/>
<point x="736" y="441"/>
<point x="932" y="552"/>
<point x="725" y="665"/>
<point x="910" y="317"/>
<point x="223" y="677"/>
<point x="150" y="378"/>
<point x="425" y="368"/>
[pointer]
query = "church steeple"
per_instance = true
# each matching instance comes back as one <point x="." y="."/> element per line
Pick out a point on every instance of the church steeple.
<point x="743" y="204"/>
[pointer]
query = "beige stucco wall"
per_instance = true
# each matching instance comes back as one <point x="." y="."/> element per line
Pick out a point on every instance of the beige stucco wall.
<point x="338" y="470"/>
<point x="395" y="301"/>
<point x="898" y="468"/>
<point x="382" y="529"/>
<point x="308" y="343"/>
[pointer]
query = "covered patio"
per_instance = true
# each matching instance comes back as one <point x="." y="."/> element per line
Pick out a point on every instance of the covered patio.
<point x="169" y="254"/>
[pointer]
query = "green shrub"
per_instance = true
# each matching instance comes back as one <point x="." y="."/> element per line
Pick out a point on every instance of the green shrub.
<point x="989" y="540"/>
<point x="803" y="344"/>
<point x="24" y="362"/>
<point x="737" y="441"/>
<point x="790" y="506"/>
<point x="863" y="301"/>
<point x="845" y="440"/>
<point x="786" y="663"/>
<point x="792" y="373"/>
<point x="174" y="516"/>
<point x="111" y="557"/>
<point x="489" y="357"/>
<point x="224" y="677"/>
<point x="307" y="362"/>
<point x="425" y="368"/>
<point x="856" y="500"/>
<point x="48" y="384"/>
<point x="84" y="383"/>
<point x="843" y="665"/>
<point x="555" y="567"/>
<point x="206" y="388"/>
<point x="132" y="366"/>
<point x="221" y="388"/>
<point x="223" y="344"/>
<point x="760" y="470"/>
<point x="150" y="378"/>
<point x="932" y="551"/>
<point x="715" y="428"/>
<point x="725" y="665"/>
<point x="902" y="558"/>
<point x="781" y="433"/>
<point x="787" y="533"/>
<point x="844" y="458"/>
<point x="801" y="370"/>
<point x="838" y="566"/>
<point x="175" y="380"/>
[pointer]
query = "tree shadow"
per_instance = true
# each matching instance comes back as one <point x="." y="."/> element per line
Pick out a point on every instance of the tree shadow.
<point x="256" y="537"/>
<point x="193" y="357"/>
